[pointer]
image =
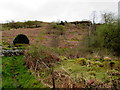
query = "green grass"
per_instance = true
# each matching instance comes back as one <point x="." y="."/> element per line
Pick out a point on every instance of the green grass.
<point x="74" y="68"/>
<point x="16" y="75"/>
<point x="12" y="47"/>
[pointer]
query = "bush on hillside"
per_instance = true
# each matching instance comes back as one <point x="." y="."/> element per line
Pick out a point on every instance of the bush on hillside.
<point x="56" y="29"/>
<point x="27" y="24"/>
<point x="44" y="56"/>
<point x="107" y="36"/>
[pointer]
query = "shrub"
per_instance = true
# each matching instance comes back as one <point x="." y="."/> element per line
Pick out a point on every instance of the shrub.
<point x="40" y="54"/>
<point x="16" y="25"/>
<point x="32" y="24"/>
<point x="61" y="29"/>
<point x="107" y="36"/>
<point x="57" y="29"/>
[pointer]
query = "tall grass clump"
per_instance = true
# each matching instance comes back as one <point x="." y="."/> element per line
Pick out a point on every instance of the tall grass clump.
<point x="38" y="57"/>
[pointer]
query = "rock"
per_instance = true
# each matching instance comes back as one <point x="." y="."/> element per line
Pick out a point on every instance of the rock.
<point x="12" y="52"/>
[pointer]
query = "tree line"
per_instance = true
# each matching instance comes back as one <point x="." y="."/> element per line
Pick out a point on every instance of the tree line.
<point x="26" y="24"/>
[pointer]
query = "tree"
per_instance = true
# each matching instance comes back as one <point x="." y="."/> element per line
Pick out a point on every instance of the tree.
<point x="107" y="35"/>
<point x="112" y="39"/>
<point x="108" y="17"/>
<point x="94" y="17"/>
<point x="91" y="27"/>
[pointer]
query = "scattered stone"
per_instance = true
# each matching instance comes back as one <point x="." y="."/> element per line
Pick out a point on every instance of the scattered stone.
<point x="12" y="52"/>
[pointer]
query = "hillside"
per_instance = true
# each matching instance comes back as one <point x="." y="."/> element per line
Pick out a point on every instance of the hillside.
<point x="59" y="55"/>
<point x="73" y="35"/>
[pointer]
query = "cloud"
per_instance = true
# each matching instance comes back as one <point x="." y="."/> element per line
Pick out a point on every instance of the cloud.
<point x="51" y="10"/>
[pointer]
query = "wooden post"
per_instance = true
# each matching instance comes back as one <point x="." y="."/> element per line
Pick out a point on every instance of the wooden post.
<point x="53" y="80"/>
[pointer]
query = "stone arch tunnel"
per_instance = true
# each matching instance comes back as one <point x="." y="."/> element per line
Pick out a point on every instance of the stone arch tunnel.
<point x="21" y="39"/>
<point x="9" y="35"/>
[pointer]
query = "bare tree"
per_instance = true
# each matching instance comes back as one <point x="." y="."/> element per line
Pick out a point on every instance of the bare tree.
<point x="108" y="18"/>
<point x="94" y="18"/>
<point x="92" y="26"/>
<point x="53" y="77"/>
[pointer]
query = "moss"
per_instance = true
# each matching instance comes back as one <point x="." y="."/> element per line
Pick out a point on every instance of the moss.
<point x="5" y="43"/>
<point x="63" y="58"/>
<point x="112" y="63"/>
<point x="96" y="59"/>
<point x="81" y="61"/>
<point x="98" y="63"/>
<point x="113" y="72"/>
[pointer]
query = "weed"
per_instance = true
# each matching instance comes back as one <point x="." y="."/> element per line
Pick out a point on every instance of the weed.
<point x="16" y="75"/>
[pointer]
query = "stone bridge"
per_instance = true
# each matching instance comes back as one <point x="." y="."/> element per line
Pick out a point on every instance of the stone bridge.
<point x="9" y="35"/>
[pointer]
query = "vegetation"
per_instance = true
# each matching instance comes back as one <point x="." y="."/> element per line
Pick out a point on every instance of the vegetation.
<point x="80" y="72"/>
<point x="26" y="24"/>
<point x="56" y="29"/>
<point x="105" y="36"/>
<point x="48" y="64"/>
<point x="16" y="75"/>
<point x="67" y="55"/>
<point x="108" y="37"/>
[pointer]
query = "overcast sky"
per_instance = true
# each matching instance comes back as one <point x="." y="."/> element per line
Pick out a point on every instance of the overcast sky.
<point x="53" y="10"/>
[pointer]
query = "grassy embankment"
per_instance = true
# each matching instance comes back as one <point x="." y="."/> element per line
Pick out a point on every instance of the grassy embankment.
<point x="72" y="72"/>
<point x="16" y="75"/>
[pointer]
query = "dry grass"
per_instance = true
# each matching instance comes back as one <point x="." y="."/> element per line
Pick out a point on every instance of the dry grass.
<point x="71" y="38"/>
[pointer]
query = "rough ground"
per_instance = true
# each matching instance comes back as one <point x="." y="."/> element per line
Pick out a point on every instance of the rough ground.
<point x="71" y="38"/>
